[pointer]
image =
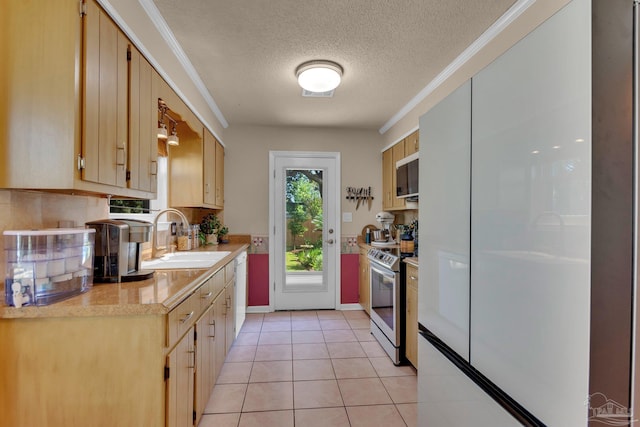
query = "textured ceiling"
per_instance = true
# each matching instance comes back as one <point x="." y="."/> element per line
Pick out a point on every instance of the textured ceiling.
<point x="246" y="53"/>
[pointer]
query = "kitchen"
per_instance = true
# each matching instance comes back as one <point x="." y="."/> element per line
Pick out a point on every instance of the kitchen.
<point x="246" y="145"/>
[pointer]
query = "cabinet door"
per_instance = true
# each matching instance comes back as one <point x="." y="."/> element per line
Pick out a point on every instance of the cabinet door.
<point x="181" y="363"/>
<point x="105" y="99"/>
<point x="411" y="144"/>
<point x="364" y="290"/>
<point x="411" y="334"/>
<point x="143" y="107"/>
<point x="219" y="175"/>
<point x="39" y="108"/>
<point x="186" y="174"/>
<point x="388" y="169"/>
<point x="220" y="327"/>
<point x="205" y="360"/>
<point x="398" y="154"/>
<point x="230" y="316"/>
<point x="209" y="165"/>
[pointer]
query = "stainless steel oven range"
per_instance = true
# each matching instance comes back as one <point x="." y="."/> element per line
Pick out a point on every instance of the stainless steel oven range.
<point x="387" y="302"/>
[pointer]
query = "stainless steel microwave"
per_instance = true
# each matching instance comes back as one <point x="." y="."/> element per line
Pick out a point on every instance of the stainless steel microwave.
<point x="407" y="176"/>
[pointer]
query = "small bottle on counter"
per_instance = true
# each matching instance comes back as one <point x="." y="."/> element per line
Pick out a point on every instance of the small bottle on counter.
<point x="367" y="236"/>
<point x="183" y="238"/>
<point x="195" y="236"/>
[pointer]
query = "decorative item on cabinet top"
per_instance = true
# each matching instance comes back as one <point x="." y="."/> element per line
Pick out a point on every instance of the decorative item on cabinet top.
<point x="360" y="195"/>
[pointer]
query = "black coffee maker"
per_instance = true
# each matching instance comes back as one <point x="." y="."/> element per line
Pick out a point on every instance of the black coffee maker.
<point x="118" y="250"/>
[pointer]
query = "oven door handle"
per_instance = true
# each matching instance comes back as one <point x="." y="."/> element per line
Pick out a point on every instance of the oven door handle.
<point x="386" y="273"/>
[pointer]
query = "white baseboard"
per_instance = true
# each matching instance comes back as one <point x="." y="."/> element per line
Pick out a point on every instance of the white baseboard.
<point x="258" y="309"/>
<point x="354" y="306"/>
<point x="267" y="309"/>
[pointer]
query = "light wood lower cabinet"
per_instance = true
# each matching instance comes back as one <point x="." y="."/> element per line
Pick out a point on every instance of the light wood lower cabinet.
<point x="143" y="370"/>
<point x="230" y="312"/>
<point x="208" y="318"/>
<point x="363" y="288"/>
<point x="181" y="363"/>
<point x="206" y="367"/>
<point x="411" y="334"/>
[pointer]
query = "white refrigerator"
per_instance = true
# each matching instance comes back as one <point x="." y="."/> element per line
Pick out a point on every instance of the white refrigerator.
<point x="526" y="276"/>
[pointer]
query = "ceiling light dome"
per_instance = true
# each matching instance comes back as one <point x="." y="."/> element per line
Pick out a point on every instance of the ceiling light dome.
<point x="319" y="76"/>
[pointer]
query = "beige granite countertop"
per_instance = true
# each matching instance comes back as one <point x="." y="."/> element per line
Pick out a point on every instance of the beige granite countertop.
<point x="157" y="295"/>
<point x="412" y="261"/>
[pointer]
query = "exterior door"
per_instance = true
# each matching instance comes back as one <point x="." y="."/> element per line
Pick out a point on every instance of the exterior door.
<point x="304" y="256"/>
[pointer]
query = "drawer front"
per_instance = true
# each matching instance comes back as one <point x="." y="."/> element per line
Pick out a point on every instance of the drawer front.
<point x="229" y="272"/>
<point x="182" y="318"/>
<point x="206" y="294"/>
<point x="218" y="282"/>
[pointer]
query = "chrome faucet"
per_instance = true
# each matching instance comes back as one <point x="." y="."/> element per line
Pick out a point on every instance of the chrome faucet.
<point x="154" y="236"/>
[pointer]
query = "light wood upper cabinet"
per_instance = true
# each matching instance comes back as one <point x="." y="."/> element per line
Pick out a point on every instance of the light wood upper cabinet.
<point x="39" y="109"/>
<point x="143" y="104"/>
<point x="399" y="151"/>
<point x="412" y="144"/>
<point x="50" y="95"/>
<point x="104" y="136"/>
<point x="389" y="159"/>
<point x="209" y="166"/>
<point x="219" y="175"/>
<point x="196" y="170"/>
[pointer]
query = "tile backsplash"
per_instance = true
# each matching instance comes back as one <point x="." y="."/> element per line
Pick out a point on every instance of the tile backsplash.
<point x="28" y="210"/>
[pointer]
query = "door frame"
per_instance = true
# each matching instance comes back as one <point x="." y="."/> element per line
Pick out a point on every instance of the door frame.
<point x="333" y="189"/>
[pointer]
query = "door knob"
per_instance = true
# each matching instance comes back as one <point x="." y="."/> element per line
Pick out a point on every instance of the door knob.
<point x="331" y="231"/>
<point x="330" y="241"/>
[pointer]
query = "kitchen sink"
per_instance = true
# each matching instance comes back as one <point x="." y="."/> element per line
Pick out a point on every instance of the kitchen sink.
<point x="177" y="260"/>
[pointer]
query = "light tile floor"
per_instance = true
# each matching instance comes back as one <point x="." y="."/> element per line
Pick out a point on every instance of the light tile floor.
<point x="308" y="369"/>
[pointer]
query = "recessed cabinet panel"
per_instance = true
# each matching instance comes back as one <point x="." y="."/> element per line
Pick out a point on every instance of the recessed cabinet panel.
<point x="105" y="136"/>
<point x="412" y="144"/>
<point x="531" y="219"/>
<point x="143" y="107"/>
<point x="219" y="175"/>
<point x="445" y="158"/>
<point x="363" y="289"/>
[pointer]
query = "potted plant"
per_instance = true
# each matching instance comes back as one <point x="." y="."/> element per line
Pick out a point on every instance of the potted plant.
<point x="222" y="232"/>
<point x="209" y="227"/>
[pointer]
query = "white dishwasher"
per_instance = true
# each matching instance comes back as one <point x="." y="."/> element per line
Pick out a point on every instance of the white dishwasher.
<point x="241" y="290"/>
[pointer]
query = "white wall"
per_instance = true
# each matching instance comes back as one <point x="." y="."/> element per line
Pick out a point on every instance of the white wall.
<point x="247" y="177"/>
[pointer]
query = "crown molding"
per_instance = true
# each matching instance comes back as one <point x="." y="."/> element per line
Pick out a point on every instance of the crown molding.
<point x="494" y="30"/>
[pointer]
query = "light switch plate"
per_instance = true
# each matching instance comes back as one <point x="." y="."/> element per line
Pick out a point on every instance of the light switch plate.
<point x="347" y="217"/>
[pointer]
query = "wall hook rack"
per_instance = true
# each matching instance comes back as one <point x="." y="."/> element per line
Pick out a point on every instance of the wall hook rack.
<point x="359" y="196"/>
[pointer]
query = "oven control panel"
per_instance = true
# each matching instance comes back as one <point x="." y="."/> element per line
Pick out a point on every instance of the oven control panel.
<point x="386" y="259"/>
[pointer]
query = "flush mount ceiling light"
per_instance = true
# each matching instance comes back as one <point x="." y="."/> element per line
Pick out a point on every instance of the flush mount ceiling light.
<point x="319" y="76"/>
